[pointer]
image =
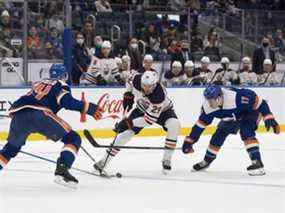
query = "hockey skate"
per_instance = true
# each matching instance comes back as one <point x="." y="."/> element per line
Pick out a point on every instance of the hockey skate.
<point x="64" y="178"/>
<point x="166" y="166"/>
<point x="256" y="168"/>
<point x="200" y="166"/>
<point x="99" y="168"/>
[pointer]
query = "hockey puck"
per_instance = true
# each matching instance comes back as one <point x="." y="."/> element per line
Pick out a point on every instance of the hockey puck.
<point x="118" y="175"/>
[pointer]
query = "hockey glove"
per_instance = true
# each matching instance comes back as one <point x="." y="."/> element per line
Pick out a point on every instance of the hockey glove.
<point x="95" y="111"/>
<point x="128" y="101"/>
<point x="188" y="145"/>
<point x="270" y="122"/>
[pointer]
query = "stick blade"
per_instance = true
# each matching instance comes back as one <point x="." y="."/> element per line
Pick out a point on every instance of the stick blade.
<point x="90" y="138"/>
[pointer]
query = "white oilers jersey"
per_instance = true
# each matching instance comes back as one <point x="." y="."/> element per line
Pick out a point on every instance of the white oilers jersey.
<point x="153" y="104"/>
<point x="269" y="79"/>
<point x="248" y="78"/>
<point x="106" y="67"/>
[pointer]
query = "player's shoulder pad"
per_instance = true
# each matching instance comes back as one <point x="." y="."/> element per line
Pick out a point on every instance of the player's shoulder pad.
<point x="206" y="109"/>
<point x="230" y="98"/>
<point x="158" y="95"/>
<point x="64" y="85"/>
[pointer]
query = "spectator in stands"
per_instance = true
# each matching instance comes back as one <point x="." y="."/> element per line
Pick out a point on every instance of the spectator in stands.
<point x="246" y="76"/>
<point x="89" y="34"/>
<point x="34" y="42"/>
<point x="5" y="42"/>
<point x="134" y="53"/>
<point x="225" y="75"/>
<point x="41" y="26"/>
<point x="98" y="41"/>
<point x="188" y="70"/>
<point x="182" y="53"/>
<point x="56" y="22"/>
<point x="55" y="43"/>
<point x="80" y="59"/>
<point x="175" y="76"/>
<point x="196" y="42"/>
<point x="77" y="17"/>
<point x="202" y="75"/>
<point x="269" y="76"/>
<point x="212" y="45"/>
<point x="177" y="5"/>
<point x="260" y="54"/>
<point x="152" y="39"/>
<point x="147" y="64"/>
<point x="103" y="6"/>
<point x="280" y="41"/>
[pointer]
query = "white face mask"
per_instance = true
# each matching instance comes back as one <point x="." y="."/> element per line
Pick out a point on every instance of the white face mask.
<point x="134" y="45"/>
<point x="80" y="41"/>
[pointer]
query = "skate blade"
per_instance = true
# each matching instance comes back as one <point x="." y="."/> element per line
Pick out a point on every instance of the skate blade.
<point x="60" y="181"/>
<point x="257" y="172"/>
<point x="166" y="171"/>
<point x="103" y="173"/>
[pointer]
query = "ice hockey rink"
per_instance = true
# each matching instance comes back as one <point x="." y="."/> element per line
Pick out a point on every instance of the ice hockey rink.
<point x="27" y="186"/>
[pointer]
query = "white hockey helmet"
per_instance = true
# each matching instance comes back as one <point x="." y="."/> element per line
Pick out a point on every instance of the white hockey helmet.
<point x="246" y="60"/>
<point x="148" y="57"/>
<point x="225" y="60"/>
<point x="267" y="62"/>
<point x="189" y="63"/>
<point x="106" y="44"/>
<point x="126" y="58"/>
<point x="177" y="64"/>
<point x="149" y="81"/>
<point x="205" y="59"/>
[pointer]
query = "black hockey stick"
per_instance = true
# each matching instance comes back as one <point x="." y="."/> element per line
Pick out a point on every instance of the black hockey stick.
<point x="94" y="143"/>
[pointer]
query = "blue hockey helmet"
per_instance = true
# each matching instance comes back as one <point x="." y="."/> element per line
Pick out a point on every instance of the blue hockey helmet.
<point x="58" y="71"/>
<point x="212" y="91"/>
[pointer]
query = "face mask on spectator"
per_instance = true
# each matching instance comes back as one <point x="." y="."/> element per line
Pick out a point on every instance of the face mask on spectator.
<point x="134" y="46"/>
<point x="80" y="41"/>
<point x="265" y="44"/>
<point x="98" y="43"/>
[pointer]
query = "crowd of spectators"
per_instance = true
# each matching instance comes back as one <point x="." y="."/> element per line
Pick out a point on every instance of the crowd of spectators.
<point x="160" y="37"/>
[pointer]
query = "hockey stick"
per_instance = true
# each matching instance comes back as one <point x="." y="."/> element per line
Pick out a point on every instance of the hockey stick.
<point x="54" y="162"/>
<point x="94" y="143"/>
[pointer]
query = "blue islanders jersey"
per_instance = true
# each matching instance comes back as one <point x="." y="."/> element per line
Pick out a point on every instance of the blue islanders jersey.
<point x="48" y="94"/>
<point x="236" y="104"/>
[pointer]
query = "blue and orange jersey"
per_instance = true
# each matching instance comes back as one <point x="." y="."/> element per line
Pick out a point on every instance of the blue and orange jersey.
<point x="51" y="95"/>
<point x="236" y="103"/>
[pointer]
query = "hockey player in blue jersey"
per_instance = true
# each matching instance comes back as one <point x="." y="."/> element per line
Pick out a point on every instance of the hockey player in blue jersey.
<point x="35" y="112"/>
<point x="241" y="106"/>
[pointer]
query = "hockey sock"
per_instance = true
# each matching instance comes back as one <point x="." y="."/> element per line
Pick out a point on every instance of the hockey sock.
<point x="211" y="153"/>
<point x="9" y="151"/>
<point x="252" y="147"/>
<point x="170" y="146"/>
<point x="72" y="143"/>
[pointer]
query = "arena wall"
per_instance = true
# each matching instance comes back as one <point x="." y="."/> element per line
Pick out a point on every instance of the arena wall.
<point x="187" y="103"/>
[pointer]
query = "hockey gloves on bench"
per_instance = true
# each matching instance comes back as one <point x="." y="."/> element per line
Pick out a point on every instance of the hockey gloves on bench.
<point x="128" y="101"/>
<point x="270" y="122"/>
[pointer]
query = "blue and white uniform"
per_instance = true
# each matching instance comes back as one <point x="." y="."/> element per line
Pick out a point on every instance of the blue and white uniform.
<point x="241" y="109"/>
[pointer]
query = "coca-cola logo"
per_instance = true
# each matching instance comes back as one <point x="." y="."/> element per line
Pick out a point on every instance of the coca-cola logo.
<point x="111" y="107"/>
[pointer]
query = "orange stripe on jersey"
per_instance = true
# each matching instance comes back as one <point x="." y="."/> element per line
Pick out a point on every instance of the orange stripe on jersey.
<point x="57" y="119"/>
<point x="256" y="101"/>
<point x="70" y="147"/>
<point x="250" y="141"/>
<point x="3" y="159"/>
<point x="269" y="116"/>
<point x="201" y="124"/>
<point x="214" y="148"/>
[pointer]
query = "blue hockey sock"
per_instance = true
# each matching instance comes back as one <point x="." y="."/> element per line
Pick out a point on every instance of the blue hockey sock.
<point x="211" y="153"/>
<point x="67" y="155"/>
<point x="252" y="148"/>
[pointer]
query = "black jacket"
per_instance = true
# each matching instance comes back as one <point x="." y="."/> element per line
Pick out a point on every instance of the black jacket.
<point x="258" y="58"/>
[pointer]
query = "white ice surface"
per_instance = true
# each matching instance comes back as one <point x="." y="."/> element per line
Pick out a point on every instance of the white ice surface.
<point x="26" y="185"/>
